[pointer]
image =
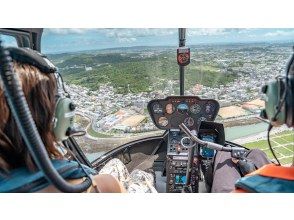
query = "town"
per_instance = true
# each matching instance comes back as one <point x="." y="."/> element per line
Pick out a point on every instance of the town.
<point x="117" y="114"/>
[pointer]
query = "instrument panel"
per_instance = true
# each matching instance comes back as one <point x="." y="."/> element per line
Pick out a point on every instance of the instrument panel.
<point x="170" y="112"/>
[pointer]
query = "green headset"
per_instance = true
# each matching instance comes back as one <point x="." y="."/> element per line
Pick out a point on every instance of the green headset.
<point x="64" y="114"/>
<point x="279" y="98"/>
<point x="63" y="121"/>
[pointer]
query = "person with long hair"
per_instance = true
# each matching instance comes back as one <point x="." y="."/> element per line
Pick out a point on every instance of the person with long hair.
<point x="17" y="167"/>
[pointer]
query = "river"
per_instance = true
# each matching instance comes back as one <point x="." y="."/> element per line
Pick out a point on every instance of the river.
<point x="236" y="132"/>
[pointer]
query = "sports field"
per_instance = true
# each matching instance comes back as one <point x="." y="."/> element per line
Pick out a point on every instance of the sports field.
<point x="282" y="143"/>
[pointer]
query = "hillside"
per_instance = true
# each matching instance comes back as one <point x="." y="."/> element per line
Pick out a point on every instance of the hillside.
<point x="136" y="72"/>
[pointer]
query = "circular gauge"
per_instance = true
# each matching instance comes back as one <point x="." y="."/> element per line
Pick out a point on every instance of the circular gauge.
<point x="187" y="142"/>
<point x="195" y="109"/>
<point x="201" y="119"/>
<point x="169" y="108"/>
<point x="189" y="122"/>
<point x="157" y="108"/>
<point x="183" y="108"/>
<point x="162" y="121"/>
<point x="209" y="108"/>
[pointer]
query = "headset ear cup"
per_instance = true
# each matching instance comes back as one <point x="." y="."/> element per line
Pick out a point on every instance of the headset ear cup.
<point x="274" y="91"/>
<point x="64" y="118"/>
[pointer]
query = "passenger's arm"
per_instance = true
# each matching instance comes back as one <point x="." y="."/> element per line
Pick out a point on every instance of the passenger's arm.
<point x="105" y="184"/>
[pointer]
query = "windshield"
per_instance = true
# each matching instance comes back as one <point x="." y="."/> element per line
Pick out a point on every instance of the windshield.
<point x="112" y="74"/>
<point x="8" y="40"/>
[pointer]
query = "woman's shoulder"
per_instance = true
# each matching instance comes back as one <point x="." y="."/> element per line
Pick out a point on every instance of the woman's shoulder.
<point x="23" y="180"/>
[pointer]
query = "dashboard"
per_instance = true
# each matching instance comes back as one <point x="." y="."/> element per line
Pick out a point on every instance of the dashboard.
<point x="170" y="112"/>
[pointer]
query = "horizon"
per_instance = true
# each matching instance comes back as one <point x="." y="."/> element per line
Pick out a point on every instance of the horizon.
<point x="68" y="40"/>
<point x="176" y="46"/>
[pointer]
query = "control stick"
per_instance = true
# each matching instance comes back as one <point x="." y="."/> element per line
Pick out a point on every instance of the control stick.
<point x="188" y="143"/>
<point x="236" y="152"/>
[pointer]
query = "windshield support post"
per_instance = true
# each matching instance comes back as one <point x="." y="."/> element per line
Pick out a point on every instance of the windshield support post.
<point x="182" y="42"/>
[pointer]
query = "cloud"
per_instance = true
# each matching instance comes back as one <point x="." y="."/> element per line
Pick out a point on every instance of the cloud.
<point x="130" y="35"/>
<point x="245" y="30"/>
<point x="65" y="31"/>
<point x="252" y="36"/>
<point x="122" y="33"/>
<point x="219" y="31"/>
<point x="138" y="32"/>
<point x="126" y="40"/>
<point x="280" y="33"/>
<point x="206" y="31"/>
<point x="119" y="34"/>
<point x="133" y="33"/>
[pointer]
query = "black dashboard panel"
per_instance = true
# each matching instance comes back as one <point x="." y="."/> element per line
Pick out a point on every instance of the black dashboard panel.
<point x="170" y="112"/>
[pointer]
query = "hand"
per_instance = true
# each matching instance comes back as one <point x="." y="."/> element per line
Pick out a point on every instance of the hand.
<point x="246" y="166"/>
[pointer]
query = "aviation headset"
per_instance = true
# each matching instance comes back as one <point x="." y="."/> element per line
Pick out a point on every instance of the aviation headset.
<point x="279" y="102"/>
<point x="64" y="112"/>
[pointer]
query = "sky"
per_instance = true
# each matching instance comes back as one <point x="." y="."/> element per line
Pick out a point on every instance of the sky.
<point x="78" y="39"/>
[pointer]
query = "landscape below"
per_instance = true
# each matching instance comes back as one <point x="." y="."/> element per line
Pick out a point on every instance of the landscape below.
<point x="112" y="88"/>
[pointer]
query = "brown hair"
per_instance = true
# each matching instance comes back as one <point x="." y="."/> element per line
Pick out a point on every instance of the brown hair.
<point x="39" y="90"/>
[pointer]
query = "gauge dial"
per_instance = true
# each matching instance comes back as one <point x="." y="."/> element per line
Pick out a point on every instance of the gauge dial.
<point x="163" y="121"/>
<point x="201" y="119"/>
<point x="169" y="108"/>
<point x="209" y="108"/>
<point x="187" y="142"/>
<point x="183" y="108"/>
<point x="195" y="109"/>
<point x="157" y="108"/>
<point x="189" y="122"/>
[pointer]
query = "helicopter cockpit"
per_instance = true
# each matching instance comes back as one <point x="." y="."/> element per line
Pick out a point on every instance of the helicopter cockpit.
<point x="169" y="114"/>
<point x="188" y="129"/>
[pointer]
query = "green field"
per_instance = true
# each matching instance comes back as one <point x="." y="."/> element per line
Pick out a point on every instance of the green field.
<point x="282" y="143"/>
